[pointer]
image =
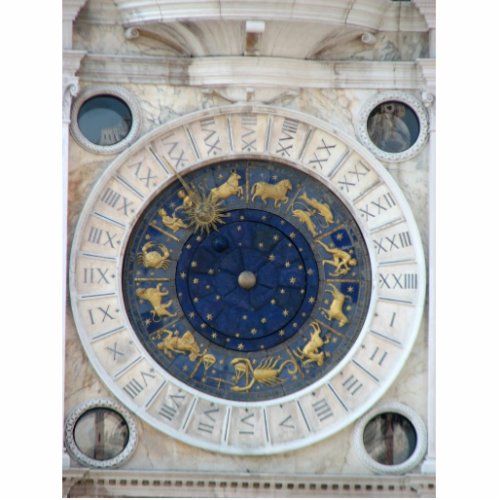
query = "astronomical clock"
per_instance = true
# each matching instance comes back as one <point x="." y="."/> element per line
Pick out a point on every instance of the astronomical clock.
<point x="247" y="288"/>
<point x="248" y="280"/>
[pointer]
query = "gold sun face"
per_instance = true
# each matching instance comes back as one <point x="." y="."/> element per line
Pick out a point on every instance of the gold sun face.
<point x="205" y="213"/>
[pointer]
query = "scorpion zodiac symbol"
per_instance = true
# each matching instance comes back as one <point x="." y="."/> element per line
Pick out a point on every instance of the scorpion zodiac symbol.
<point x="266" y="373"/>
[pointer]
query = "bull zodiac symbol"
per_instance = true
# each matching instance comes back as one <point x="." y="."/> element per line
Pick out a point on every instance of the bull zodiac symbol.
<point x="154" y="296"/>
<point x="277" y="192"/>
<point x="266" y="373"/>
<point x="334" y="312"/>
<point x="229" y="188"/>
<point x="310" y="352"/>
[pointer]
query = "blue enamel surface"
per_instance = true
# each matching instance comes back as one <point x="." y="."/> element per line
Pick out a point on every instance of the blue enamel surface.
<point x="268" y="324"/>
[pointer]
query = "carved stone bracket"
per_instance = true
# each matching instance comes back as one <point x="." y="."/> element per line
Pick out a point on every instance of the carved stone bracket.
<point x="70" y="87"/>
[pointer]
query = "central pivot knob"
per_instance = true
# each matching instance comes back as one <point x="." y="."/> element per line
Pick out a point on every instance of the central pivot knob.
<point x="247" y="280"/>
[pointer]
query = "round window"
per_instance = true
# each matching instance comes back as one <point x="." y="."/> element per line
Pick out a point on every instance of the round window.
<point x="393" y="127"/>
<point x="104" y="120"/>
<point x="101" y="434"/>
<point x="390" y="438"/>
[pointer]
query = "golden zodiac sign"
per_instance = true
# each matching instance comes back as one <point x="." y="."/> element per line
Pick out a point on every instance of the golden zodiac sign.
<point x="334" y="312"/>
<point x="322" y="208"/>
<point x="265" y="373"/>
<point x="305" y="217"/>
<point x="277" y="192"/>
<point x="154" y="296"/>
<point x="171" y="222"/>
<point x="186" y="344"/>
<point x="230" y="188"/>
<point x="154" y="259"/>
<point x="342" y="260"/>
<point x="310" y="351"/>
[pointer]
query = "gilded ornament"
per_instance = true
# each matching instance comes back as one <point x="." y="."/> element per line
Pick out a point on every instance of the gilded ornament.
<point x="154" y="259"/>
<point x="229" y="188"/>
<point x="342" y="260"/>
<point x="266" y="373"/>
<point x="310" y="352"/>
<point x="305" y="217"/>
<point x="277" y="192"/>
<point x="155" y="296"/>
<point x="171" y="222"/>
<point x="334" y="312"/>
<point x="322" y="208"/>
<point x="180" y="345"/>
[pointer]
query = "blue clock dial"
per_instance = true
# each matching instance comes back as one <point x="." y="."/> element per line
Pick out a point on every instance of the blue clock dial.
<point x="248" y="280"/>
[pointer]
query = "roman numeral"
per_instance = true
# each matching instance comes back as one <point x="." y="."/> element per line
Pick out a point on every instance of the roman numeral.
<point x="322" y="409"/>
<point x="95" y="275"/>
<point x="211" y="142"/>
<point x="134" y="387"/>
<point x="173" y="152"/>
<point x="403" y="281"/>
<point x="205" y="426"/>
<point x="250" y="426"/>
<point x="112" y="199"/>
<point x="288" y="423"/>
<point x="319" y="154"/>
<point x="288" y="131"/>
<point x="169" y="411"/>
<point x="248" y="124"/>
<point x="397" y="241"/>
<point x="382" y="204"/>
<point x="101" y="237"/>
<point x="114" y="350"/>
<point x="353" y="177"/>
<point x="352" y="385"/>
<point x="144" y="174"/>
<point x="100" y="313"/>
<point x="380" y="358"/>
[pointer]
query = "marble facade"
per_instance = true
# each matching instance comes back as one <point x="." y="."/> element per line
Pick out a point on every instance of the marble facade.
<point x="180" y="57"/>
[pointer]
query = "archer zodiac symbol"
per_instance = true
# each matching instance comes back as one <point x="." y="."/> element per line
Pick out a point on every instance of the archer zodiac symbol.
<point x="229" y="188"/>
<point x="342" y="260"/>
<point x="277" y="192"/>
<point x="310" y="352"/>
<point x="266" y="373"/>
<point x="322" y="208"/>
<point x="154" y="296"/>
<point x="173" y="223"/>
<point x="334" y="312"/>
<point x="154" y="259"/>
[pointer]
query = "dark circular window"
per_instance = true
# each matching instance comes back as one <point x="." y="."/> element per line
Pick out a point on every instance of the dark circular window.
<point x="390" y="438"/>
<point x="101" y="434"/>
<point x="104" y="120"/>
<point x="393" y="126"/>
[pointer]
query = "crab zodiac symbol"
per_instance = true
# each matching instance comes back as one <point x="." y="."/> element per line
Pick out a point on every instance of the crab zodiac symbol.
<point x="154" y="259"/>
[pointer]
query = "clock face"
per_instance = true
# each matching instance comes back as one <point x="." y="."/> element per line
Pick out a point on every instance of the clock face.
<point x="247" y="281"/>
<point x="264" y="303"/>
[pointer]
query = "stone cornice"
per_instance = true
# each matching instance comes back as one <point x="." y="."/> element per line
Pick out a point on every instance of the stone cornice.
<point x="250" y="72"/>
<point x="70" y="9"/>
<point x="383" y="15"/>
<point x="428" y="9"/>
<point x="133" y="483"/>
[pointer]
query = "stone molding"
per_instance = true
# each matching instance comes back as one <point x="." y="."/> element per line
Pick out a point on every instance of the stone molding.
<point x="138" y="483"/>
<point x="428" y="9"/>
<point x="368" y="14"/>
<point x="250" y="72"/>
<point x="427" y="68"/>
<point x="70" y="87"/>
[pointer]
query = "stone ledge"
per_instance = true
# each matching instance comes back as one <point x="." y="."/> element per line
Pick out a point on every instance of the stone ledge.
<point x="120" y="483"/>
